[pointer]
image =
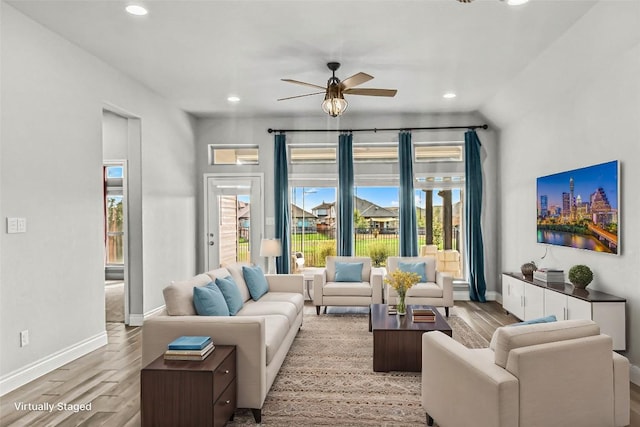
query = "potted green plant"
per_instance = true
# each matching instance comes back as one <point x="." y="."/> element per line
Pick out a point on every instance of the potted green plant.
<point x="378" y="252"/>
<point x="580" y="276"/>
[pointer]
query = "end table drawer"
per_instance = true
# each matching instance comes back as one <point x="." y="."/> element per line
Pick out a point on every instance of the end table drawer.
<point x="223" y="375"/>
<point x="225" y="406"/>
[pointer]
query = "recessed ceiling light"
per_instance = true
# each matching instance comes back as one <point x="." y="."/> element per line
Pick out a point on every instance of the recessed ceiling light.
<point x="233" y="99"/>
<point x="516" y="2"/>
<point x="137" y="10"/>
<point x="449" y="95"/>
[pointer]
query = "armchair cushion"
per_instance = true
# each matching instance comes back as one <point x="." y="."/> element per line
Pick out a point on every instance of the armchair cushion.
<point x="429" y="262"/>
<point x="231" y="294"/>
<point x="209" y="301"/>
<point x="414" y="267"/>
<point x="347" y="289"/>
<point x="428" y="290"/>
<point x="331" y="261"/>
<point x="506" y="339"/>
<point x="348" y="271"/>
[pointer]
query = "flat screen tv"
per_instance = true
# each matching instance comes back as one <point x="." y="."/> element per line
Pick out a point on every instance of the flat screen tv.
<point x="580" y="208"/>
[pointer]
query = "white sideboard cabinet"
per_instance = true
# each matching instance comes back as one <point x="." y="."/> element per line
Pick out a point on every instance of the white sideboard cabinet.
<point x="527" y="299"/>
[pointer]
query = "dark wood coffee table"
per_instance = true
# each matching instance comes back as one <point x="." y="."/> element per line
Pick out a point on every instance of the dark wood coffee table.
<point x="397" y="341"/>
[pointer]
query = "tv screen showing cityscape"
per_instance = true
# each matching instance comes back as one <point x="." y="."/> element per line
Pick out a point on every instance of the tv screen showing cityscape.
<point x="579" y="208"/>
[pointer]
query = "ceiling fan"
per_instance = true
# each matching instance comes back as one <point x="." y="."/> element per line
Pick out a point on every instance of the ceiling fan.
<point x="334" y="103"/>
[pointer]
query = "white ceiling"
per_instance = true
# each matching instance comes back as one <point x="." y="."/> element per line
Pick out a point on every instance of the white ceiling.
<point x="197" y="53"/>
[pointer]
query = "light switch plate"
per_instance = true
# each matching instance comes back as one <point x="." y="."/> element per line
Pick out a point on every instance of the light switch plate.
<point x="12" y="225"/>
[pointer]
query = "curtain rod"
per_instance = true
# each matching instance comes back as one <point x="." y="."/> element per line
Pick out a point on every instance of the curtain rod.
<point x="485" y="126"/>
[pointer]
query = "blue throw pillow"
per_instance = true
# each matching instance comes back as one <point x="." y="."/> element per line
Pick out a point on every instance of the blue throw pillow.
<point x="546" y="319"/>
<point x="256" y="282"/>
<point x="209" y="301"/>
<point x="348" y="272"/>
<point x="420" y="268"/>
<point x="231" y="294"/>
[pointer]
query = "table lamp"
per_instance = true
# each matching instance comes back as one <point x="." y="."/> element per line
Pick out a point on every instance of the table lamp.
<point x="271" y="248"/>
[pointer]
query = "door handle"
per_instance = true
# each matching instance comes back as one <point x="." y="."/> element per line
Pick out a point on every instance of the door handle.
<point x="211" y="243"/>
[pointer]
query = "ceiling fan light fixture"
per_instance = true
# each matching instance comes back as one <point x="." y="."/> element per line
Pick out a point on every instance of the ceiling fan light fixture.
<point x="334" y="106"/>
<point x="334" y="103"/>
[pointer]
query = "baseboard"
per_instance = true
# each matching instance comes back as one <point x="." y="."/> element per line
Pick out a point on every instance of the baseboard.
<point x="634" y="374"/>
<point x="464" y="296"/>
<point x="47" y="364"/>
<point x="138" y="319"/>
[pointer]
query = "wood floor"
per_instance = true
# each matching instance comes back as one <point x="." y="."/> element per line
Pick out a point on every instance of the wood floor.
<point x="109" y="379"/>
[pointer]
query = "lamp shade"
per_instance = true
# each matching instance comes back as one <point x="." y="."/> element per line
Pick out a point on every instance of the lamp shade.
<point x="270" y="247"/>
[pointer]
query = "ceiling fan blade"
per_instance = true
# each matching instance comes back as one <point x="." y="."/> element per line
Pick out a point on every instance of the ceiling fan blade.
<point x="355" y="80"/>
<point x="303" y="83"/>
<point x="300" y="96"/>
<point x="371" y="92"/>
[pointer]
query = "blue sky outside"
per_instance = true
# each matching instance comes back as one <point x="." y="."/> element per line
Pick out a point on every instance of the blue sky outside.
<point x="381" y="196"/>
<point x="114" y="171"/>
<point x="586" y="181"/>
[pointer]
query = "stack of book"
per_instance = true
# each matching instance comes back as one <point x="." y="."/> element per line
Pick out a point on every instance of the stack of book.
<point x="421" y="315"/>
<point x="393" y="309"/>
<point x="549" y="275"/>
<point x="189" y="348"/>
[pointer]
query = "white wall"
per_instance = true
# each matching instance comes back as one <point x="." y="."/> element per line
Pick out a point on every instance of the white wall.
<point x="253" y="130"/>
<point x="577" y="105"/>
<point x="52" y="277"/>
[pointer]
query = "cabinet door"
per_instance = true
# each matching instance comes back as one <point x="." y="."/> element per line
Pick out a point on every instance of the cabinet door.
<point x="555" y="303"/>
<point x="512" y="296"/>
<point x="578" y="309"/>
<point x="533" y="301"/>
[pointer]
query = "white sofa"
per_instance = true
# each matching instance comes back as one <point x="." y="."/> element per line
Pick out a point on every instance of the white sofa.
<point x="364" y="292"/>
<point x="436" y="291"/>
<point x="262" y="330"/>
<point x="547" y="374"/>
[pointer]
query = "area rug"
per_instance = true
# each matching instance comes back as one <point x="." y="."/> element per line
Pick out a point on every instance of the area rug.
<point x="327" y="378"/>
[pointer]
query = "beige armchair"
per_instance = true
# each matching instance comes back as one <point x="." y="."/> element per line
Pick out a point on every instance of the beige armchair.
<point x="436" y="291"/>
<point x="330" y="288"/>
<point x="547" y="374"/>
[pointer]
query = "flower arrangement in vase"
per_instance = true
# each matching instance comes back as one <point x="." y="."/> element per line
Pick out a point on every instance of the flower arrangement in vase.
<point x="401" y="281"/>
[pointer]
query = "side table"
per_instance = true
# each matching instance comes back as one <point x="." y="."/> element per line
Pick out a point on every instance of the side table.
<point x="189" y="393"/>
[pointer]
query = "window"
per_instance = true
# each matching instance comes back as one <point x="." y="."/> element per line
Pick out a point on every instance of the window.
<point x="440" y="213"/>
<point x="386" y="152"/>
<point x="375" y="222"/>
<point x="220" y="154"/>
<point x="114" y="220"/>
<point x="439" y="152"/>
<point x="312" y="153"/>
<point x="313" y="224"/>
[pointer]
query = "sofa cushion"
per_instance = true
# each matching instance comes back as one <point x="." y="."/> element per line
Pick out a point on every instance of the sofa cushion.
<point x="506" y="339"/>
<point x="228" y="270"/>
<point x="236" y="272"/>
<point x="425" y="290"/>
<point x="256" y="282"/>
<point x="347" y="289"/>
<point x="414" y="267"/>
<point x="209" y="301"/>
<point x="178" y="296"/>
<point x="348" y="271"/>
<point x="296" y="299"/>
<point x="231" y="294"/>
<point x="275" y="330"/>
<point x="266" y="308"/>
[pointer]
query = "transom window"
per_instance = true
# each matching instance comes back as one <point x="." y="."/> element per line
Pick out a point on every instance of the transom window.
<point x="221" y="154"/>
<point x="441" y="152"/>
